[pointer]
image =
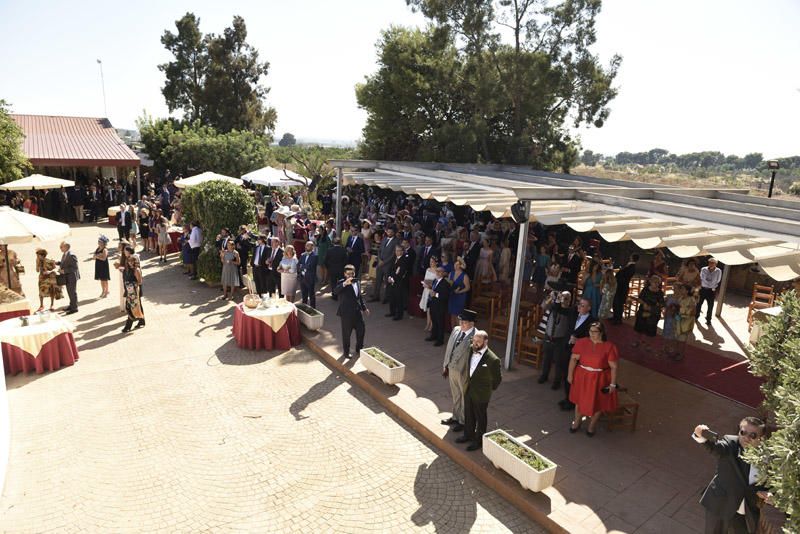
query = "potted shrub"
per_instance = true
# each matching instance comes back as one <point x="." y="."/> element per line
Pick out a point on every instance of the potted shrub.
<point x="532" y="470"/>
<point x="310" y="317"/>
<point x="382" y="365"/>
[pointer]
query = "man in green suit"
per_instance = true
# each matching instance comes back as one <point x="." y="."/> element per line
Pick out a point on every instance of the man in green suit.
<point x="484" y="377"/>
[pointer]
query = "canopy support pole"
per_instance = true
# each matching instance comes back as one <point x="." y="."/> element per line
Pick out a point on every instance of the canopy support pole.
<point x="339" y="180"/>
<point x="516" y="294"/>
<point x="723" y="289"/>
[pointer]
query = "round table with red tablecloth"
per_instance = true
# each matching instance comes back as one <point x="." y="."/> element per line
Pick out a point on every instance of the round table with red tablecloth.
<point x="40" y="346"/>
<point x="414" y="296"/>
<point x="276" y="328"/>
<point x="18" y="308"/>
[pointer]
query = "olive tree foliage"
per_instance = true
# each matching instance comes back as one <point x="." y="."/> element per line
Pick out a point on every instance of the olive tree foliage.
<point x="776" y="358"/>
<point x="488" y="80"/>
<point x="13" y="162"/>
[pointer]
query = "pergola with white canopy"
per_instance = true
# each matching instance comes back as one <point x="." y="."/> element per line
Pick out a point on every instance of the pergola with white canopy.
<point x="206" y="177"/>
<point x="727" y="223"/>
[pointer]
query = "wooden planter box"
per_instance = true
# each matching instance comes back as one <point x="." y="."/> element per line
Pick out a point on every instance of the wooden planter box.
<point x="389" y="375"/>
<point x="312" y="322"/>
<point x="528" y="477"/>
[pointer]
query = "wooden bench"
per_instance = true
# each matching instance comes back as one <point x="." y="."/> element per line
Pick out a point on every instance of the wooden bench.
<point x="625" y="415"/>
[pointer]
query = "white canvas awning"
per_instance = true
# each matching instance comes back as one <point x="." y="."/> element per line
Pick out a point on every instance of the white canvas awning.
<point x="38" y="182"/>
<point x="206" y="177"/>
<point x="272" y="177"/>
<point x="736" y="228"/>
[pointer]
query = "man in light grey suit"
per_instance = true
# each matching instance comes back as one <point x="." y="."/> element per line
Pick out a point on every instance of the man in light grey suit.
<point x="454" y="368"/>
<point x="385" y="256"/>
<point x="69" y="268"/>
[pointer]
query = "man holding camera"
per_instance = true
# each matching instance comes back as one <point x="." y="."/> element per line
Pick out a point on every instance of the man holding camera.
<point x="557" y="332"/>
<point x="732" y="497"/>
<point x="351" y="309"/>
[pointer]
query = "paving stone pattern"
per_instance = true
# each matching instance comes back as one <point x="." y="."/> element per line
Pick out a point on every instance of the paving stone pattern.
<point x="173" y="428"/>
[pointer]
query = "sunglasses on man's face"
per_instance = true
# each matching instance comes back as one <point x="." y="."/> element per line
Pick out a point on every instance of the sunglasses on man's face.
<point x="751" y="435"/>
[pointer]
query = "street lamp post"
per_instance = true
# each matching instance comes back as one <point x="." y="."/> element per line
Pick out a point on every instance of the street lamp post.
<point x="772" y="165"/>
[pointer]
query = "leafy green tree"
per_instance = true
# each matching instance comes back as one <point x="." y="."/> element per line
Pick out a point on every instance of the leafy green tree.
<point x="216" y="205"/>
<point x="13" y="162"/>
<point x="499" y="102"/>
<point x="776" y="358"/>
<point x="753" y="160"/>
<point x="287" y="140"/>
<point x="215" y="79"/>
<point x="794" y="189"/>
<point x="192" y="148"/>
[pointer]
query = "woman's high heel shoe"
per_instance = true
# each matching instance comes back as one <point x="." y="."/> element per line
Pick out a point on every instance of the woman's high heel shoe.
<point x="573" y="429"/>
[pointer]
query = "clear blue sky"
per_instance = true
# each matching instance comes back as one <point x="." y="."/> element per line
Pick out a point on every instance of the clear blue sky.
<point x="711" y="75"/>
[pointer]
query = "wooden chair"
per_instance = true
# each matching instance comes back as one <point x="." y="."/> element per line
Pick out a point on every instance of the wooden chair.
<point x="530" y="341"/>
<point x="485" y="303"/>
<point x="249" y="284"/>
<point x="631" y="302"/>
<point x="625" y="415"/>
<point x="763" y="297"/>
<point x="669" y="285"/>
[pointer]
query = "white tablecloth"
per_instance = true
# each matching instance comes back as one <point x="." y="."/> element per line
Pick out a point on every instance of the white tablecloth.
<point x="33" y="337"/>
<point x="274" y="317"/>
<point x="15" y="306"/>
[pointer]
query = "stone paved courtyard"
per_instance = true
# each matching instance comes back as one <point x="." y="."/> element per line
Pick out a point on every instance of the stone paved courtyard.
<point x="173" y="428"/>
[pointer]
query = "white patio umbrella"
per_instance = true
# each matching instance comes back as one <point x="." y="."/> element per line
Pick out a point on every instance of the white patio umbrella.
<point x="36" y="181"/>
<point x="19" y="227"/>
<point x="205" y="177"/>
<point x="270" y="176"/>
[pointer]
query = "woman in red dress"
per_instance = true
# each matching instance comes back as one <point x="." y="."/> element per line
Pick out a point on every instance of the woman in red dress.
<point x="593" y="366"/>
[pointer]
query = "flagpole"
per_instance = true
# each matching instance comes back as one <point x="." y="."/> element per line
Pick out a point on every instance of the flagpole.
<point x="103" y="85"/>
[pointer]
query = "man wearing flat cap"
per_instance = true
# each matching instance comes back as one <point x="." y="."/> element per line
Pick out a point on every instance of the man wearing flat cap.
<point x="454" y="367"/>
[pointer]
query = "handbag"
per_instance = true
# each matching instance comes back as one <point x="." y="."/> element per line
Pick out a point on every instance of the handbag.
<point x="61" y="279"/>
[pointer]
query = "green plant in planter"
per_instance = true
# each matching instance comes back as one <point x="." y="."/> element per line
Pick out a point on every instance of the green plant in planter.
<point x="308" y="309"/>
<point x="216" y="205"/>
<point x="385" y="359"/>
<point x="776" y="358"/>
<point x="524" y="454"/>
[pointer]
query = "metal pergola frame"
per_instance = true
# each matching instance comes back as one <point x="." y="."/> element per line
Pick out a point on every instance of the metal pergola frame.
<point x="696" y="217"/>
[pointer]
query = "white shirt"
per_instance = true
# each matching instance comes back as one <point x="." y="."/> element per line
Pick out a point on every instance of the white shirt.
<point x="475" y="359"/>
<point x="465" y="334"/>
<point x="355" y="289"/>
<point x="710" y="279"/>
<point x="581" y="319"/>
<point x="259" y="250"/>
<point x="195" y="237"/>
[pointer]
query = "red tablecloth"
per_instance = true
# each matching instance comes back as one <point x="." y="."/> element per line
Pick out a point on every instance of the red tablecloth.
<point x="112" y="220"/>
<point x="251" y="333"/>
<point x="414" y="296"/>
<point x="174" y="246"/>
<point x="60" y="350"/>
<point x="12" y="314"/>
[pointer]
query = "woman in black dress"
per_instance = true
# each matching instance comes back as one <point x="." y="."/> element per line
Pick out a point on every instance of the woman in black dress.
<point x="651" y="303"/>
<point x="101" y="271"/>
<point x="144" y="227"/>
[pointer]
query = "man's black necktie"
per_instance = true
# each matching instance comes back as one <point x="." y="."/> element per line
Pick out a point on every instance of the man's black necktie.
<point x="460" y="338"/>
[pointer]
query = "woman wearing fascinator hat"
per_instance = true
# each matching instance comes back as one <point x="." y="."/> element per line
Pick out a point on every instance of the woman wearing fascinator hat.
<point x="101" y="270"/>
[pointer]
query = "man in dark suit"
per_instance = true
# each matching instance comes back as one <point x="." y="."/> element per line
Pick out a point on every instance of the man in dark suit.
<point x="351" y="309"/>
<point x="623" y="276"/>
<point x="397" y="283"/>
<point x="221" y="242"/>
<point x="583" y="320"/>
<point x="572" y="267"/>
<point x="385" y="255"/>
<point x="69" y="268"/>
<point x="437" y="304"/>
<point x="335" y="260"/>
<point x="307" y="275"/>
<point x="484" y="376"/>
<point x="473" y="253"/>
<point x="427" y="251"/>
<point x="260" y="255"/>
<point x="243" y="246"/>
<point x="124" y="222"/>
<point x="273" y="261"/>
<point x="732" y="497"/>
<point x="355" y="249"/>
<point x="410" y="254"/>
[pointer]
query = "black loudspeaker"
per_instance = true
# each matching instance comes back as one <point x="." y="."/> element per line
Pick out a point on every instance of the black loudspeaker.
<point x="518" y="212"/>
